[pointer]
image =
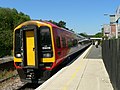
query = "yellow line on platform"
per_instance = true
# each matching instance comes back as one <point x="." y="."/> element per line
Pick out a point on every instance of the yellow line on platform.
<point x="65" y="87"/>
<point x="73" y="76"/>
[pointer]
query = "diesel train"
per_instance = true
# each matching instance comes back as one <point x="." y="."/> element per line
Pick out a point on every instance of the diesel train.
<point x="40" y="47"/>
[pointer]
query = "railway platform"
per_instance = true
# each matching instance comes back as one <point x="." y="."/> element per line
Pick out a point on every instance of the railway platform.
<point x="86" y="73"/>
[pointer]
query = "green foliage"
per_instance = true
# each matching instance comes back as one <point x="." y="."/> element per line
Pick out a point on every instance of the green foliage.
<point x="98" y="35"/>
<point x="83" y="34"/>
<point x="118" y="36"/>
<point x="9" y="19"/>
<point x="61" y="24"/>
<point x="105" y="37"/>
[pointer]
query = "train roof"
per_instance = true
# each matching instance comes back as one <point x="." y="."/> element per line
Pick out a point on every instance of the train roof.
<point x="42" y="22"/>
<point x="53" y="25"/>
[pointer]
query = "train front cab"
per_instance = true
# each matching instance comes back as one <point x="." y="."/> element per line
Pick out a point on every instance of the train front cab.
<point x="33" y="52"/>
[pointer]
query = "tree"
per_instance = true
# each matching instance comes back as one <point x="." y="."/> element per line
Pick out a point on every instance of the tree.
<point x="98" y="35"/>
<point x="9" y="19"/>
<point x="62" y="24"/>
<point x="83" y="34"/>
<point x="53" y="22"/>
<point x="72" y="30"/>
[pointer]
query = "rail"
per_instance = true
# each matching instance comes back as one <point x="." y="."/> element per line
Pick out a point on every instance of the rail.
<point x="6" y="59"/>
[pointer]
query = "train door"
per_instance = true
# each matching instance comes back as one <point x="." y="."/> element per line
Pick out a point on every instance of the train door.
<point x="30" y="46"/>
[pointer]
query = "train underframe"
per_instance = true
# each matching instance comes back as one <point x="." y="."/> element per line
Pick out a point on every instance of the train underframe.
<point x="33" y="75"/>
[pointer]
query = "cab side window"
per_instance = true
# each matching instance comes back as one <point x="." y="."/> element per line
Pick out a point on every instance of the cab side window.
<point x="63" y="42"/>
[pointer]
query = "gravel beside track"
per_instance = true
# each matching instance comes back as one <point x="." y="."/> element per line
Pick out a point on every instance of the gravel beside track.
<point x="11" y="84"/>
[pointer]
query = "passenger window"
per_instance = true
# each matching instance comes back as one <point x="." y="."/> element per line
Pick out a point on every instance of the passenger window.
<point x="58" y="42"/>
<point x="75" y="42"/>
<point x="63" y="42"/>
<point x="70" y="44"/>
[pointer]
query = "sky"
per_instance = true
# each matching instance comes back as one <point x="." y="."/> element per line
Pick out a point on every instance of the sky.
<point x="84" y="16"/>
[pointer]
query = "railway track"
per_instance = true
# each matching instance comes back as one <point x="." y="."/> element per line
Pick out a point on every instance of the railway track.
<point x="6" y="59"/>
<point x="7" y="69"/>
<point x="5" y="79"/>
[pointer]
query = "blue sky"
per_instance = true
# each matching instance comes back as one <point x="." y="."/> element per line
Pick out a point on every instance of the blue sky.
<point x="80" y="15"/>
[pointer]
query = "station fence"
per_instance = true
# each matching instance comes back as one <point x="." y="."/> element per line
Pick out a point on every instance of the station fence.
<point x="111" y="58"/>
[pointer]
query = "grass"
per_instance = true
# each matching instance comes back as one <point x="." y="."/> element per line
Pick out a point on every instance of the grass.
<point x="7" y="73"/>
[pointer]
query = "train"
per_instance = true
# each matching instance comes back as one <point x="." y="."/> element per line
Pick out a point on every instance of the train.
<point x="39" y="47"/>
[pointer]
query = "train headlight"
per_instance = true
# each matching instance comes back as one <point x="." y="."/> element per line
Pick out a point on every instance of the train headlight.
<point x="18" y="55"/>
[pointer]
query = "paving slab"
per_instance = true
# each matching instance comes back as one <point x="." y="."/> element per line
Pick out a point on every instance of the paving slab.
<point x="95" y="77"/>
<point x="94" y="53"/>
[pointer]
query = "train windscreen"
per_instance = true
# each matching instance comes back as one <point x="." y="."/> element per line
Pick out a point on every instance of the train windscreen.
<point x="46" y="42"/>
